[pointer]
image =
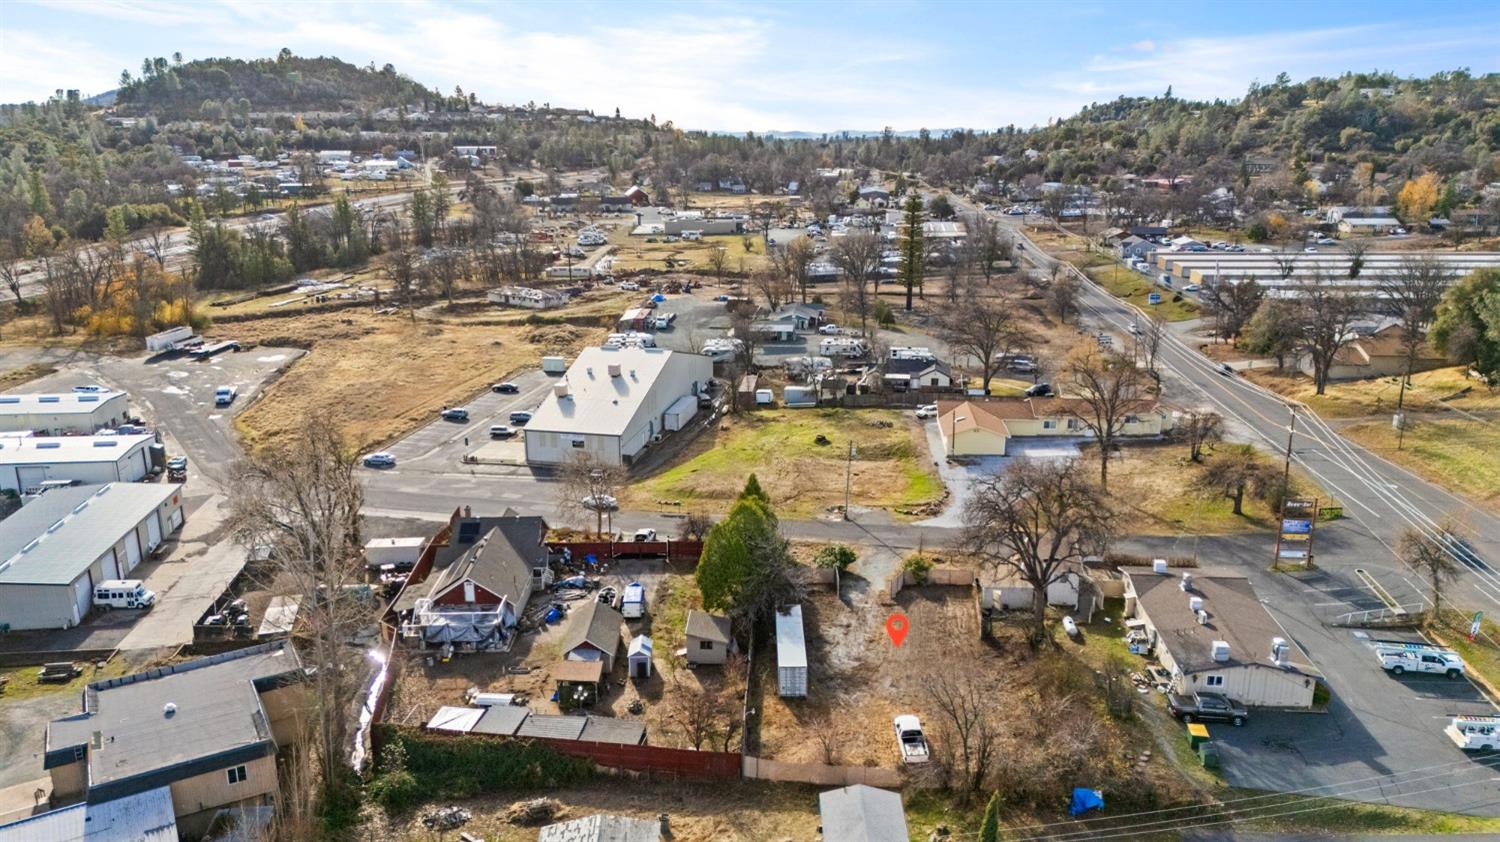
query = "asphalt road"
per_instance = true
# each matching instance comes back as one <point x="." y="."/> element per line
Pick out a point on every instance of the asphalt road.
<point x="1382" y="498"/>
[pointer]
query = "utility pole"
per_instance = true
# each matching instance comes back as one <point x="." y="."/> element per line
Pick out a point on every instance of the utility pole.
<point x="1400" y="419"/>
<point x="1286" y="473"/>
<point x="848" y="476"/>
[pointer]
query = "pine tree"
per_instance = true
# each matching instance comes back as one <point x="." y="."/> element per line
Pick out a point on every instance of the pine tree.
<point x="913" y="253"/>
<point x="989" y="829"/>
<point x="753" y="491"/>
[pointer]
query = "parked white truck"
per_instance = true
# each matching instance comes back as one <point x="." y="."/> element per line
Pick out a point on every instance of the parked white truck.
<point x="1399" y="657"/>
<point x="913" y="742"/>
<point x="1474" y="733"/>
<point x="633" y="604"/>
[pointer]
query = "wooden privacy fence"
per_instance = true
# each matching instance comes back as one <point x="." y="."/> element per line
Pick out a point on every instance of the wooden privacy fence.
<point x="675" y="550"/>
<point x="820" y="773"/>
<point x="678" y="762"/>
<point x="936" y="576"/>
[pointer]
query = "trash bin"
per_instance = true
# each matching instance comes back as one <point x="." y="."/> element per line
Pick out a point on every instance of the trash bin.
<point x="1209" y="752"/>
<point x="1197" y="734"/>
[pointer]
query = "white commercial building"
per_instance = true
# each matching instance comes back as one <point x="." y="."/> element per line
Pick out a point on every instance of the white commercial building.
<point x="611" y="404"/>
<point x="26" y="463"/>
<point x="55" y="549"/>
<point x="73" y="413"/>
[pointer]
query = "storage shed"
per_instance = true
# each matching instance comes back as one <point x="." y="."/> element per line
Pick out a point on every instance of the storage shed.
<point x="791" y="654"/>
<point x="708" y="639"/>
<point x="638" y="655"/>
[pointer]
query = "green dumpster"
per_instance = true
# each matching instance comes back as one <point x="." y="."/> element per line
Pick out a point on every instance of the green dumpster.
<point x="1197" y="734"/>
<point x="1209" y="752"/>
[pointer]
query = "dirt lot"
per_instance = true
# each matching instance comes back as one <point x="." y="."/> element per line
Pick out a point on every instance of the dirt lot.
<point x="380" y="376"/>
<point x="16" y="377"/>
<point x="698" y="812"/>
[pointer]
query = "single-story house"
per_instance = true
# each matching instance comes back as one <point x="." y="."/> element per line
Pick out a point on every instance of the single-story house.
<point x="1338" y="213"/>
<point x="802" y="316"/>
<point x="1136" y="248"/>
<point x="1368" y="224"/>
<point x="615" y="204"/>
<point x="984" y="427"/>
<point x="481" y="583"/>
<point x="1148" y="231"/>
<point x="1378" y="354"/>
<point x="910" y="374"/>
<point x="874" y="197"/>
<point x="528" y="297"/>
<point x="1211" y="631"/>
<point x="56" y="549"/>
<point x="708" y="226"/>
<point x="768" y="331"/>
<point x="593" y="634"/>
<point x="708" y="638"/>
<point x="862" y="813"/>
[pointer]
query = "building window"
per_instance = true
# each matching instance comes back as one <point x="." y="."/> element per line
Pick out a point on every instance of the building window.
<point x="1214" y="681"/>
<point x="1047" y="425"/>
<point x="236" y="774"/>
<point x="705" y="644"/>
<point x="577" y="442"/>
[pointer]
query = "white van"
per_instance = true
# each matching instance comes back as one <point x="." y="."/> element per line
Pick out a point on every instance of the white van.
<point x="692" y="235"/>
<point x="123" y="593"/>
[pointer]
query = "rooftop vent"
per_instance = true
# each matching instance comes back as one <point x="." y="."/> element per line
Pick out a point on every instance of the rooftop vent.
<point x="1195" y="603"/>
<point x="1159" y="565"/>
<point x="560" y="389"/>
<point x="614" y="369"/>
<point x="1220" y="650"/>
<point x="1202" y="617"/>
<point x="1187" y="582"/>
<point x="1278" y="651"/>
<point x="168" y="709"/>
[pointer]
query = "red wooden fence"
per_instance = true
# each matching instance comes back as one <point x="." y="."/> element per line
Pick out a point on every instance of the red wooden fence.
<point x="680" y="762"/>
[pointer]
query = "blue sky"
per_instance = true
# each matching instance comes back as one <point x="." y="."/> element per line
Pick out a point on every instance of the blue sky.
<point x="759" y="66"/>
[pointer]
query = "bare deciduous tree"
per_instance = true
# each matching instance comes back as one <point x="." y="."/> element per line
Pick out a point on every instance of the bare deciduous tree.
<point x="985" y="328"/>
<point x="773" y="287"/>
<point x="1199" y="429"/>
<point x="1062" y="297"/>
<point x="1108" y="388"/>
<point x="858" y="256"/>
<point x="792" y="262"/>
<point x="1326" y="311"/>
<point x="1039" y="519"/>
<point x="590" y="485"/>
<point x="1432" y="555"/>
<point x="967" y="725"/>
<point x="1412" y="295"/>
<point x="718" y="262"/>
<point x="1232" y="303"/>
<point x="302" y="503"/>
<point x="1237" y="471"/>
<point x="1150" y="340"/>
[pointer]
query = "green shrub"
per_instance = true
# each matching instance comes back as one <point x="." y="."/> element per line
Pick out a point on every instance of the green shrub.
<point x="417" y="767"/>
<point x="918" y="567"/>
<point x="836" y="556"/>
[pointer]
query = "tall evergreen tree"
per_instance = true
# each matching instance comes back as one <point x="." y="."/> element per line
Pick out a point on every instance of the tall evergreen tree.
<point x="913" y="251"/>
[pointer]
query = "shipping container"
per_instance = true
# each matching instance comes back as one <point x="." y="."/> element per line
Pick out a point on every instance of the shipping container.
<point x="680" y="412"/>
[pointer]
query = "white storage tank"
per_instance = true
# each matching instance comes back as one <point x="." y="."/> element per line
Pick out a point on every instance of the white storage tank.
<point x="680" y="412"/>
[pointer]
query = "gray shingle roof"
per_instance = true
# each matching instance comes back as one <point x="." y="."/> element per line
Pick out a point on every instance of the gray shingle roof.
<point x="91" y="519"/>
<point x="705" y="626"/>
<point x="1235" y="615"/>
<point x="595" y="623"/>
<point x="500" y="561"/>
<point x="501" y="719"/>
<point x="604" y="729"/>
<point x="551" y="726"/>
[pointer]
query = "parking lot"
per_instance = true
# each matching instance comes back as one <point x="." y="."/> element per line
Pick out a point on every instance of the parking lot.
<point x="442" y="444"/>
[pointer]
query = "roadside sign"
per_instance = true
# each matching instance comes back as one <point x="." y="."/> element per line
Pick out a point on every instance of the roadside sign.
<point x="1296" y="527"/>
<point x="1294" y="537"/>
<point x="1474" y="626"/>
<point x="1294" y="553"/>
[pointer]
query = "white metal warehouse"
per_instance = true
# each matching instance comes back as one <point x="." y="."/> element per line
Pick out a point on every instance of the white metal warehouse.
<point x="613" y="403"/>
<point x="75" y="413"/>
<point x="59" y="546"/>
<point x="25" y="463"/>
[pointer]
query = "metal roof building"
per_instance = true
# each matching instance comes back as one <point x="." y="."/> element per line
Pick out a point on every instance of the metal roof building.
<point x="74" y="412"/>
<point x="862" y="813"/>
<point x="144" y="817"/>
<point x="58" y="547"/>
<point x="25" y="463"/>
<point x="611" y="402"/>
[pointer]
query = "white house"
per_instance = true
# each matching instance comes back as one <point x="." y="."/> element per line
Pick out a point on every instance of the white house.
<point x="528" y="297"/>
<point x="77" y="413"/>
<point x="611" y="402"/>
<point x="1211" y="631"/>
<point x="25" y="463"/>
<point x="55" y="549"/>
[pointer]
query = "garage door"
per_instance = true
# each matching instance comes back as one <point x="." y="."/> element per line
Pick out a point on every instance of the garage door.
<point x="112" y="563"/>
<point x="153" y="531"/>
<point x="132" y="550"/>
<point x="176" y="519"/>
<point x="83" y="597"/>
<point x="30" y="477"/>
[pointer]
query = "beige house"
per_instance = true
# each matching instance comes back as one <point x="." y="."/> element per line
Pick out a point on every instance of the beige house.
<point x="207" y="730"/>
<point x="1378" y="354"/>
<point x="1212" y="633"/>
<point x="708" y="638"/>
<point x="985" y="427"/>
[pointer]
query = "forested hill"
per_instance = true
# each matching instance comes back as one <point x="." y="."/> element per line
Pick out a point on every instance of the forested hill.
<point x="168" y="89"/>
<point x="1447" y="123"/>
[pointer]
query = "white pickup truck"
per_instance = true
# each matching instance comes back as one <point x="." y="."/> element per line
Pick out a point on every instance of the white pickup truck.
<point x="1474" y="733"/>
<point x="913" y="742"/>
<point x="1400" y="657"/>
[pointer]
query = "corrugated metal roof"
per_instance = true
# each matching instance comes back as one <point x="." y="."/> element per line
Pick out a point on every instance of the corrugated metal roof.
<point x="456" y="719"/>
<point x="58" y="404"/>
<point x="597" y="404"/>
<point x="553" y="727"/>
<point x="51" y="450"/>
<point x="66" y="544"/>
<point x="604" y="729"/>
<point x="501" y="719"/>
<point x="143" y="817"/>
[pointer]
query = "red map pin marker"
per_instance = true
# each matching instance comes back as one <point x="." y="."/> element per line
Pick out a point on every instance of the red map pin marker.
<point x="896" y="626"/>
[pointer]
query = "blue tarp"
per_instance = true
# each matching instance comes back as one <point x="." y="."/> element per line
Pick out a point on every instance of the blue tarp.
<point x="1085" y="800"/>
<point x="658" y="298"/>
<point x="590" y="559"/>
<point x="554" y="616"/>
